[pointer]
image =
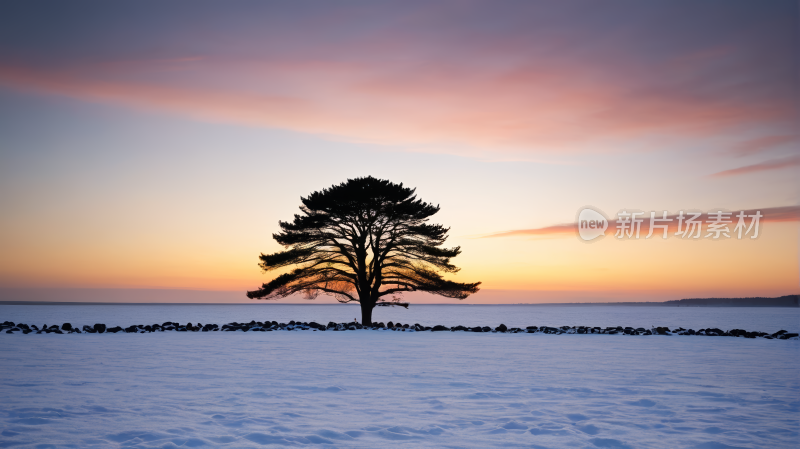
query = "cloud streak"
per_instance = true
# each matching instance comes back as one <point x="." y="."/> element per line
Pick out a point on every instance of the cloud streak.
<point x="762" y="144"/>
<point x="775" y="164"/>
<point x="770" y="215"/>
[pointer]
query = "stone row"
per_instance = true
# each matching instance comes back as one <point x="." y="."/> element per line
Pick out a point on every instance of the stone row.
<point x="269" y="326"/>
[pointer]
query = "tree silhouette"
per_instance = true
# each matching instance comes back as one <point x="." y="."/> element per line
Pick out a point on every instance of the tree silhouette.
<point x="361" y="241"/>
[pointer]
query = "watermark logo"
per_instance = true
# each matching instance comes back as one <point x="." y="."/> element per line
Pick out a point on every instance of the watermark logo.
<point x="631" y="224"/>
<point x="591" y="224"/>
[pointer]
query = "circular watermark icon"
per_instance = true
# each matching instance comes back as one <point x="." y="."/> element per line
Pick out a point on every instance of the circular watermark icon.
<point x="591" y="223"/>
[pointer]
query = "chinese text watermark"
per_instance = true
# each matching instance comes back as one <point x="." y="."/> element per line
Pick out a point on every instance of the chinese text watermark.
<point x="635" y="224"/>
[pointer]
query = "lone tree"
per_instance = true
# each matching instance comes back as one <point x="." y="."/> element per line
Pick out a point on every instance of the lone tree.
<point x="361" y="241"/>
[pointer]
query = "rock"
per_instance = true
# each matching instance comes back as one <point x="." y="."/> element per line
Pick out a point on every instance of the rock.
<point x="114" y="329"/>
<point x="785" y="336"/>
<point x="501" y="328"/>
<point x="66" y="327"/>
<point x="100" y="328"/>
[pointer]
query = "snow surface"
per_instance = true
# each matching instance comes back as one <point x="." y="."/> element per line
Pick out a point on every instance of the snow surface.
<point x="385" y="389"/>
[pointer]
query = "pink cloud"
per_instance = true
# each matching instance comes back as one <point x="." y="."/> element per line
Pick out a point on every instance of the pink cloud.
<point x="466" y="77"/>
<point x="762" y="144"/>
<point x="775" y="164"/>
<point x="522" y="108"/>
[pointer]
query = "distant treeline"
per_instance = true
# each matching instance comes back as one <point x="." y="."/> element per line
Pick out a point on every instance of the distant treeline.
<point x="782" y="301"/>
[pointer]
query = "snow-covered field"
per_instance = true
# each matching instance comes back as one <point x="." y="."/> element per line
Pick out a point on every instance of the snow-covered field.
<point x="379" y="389"/>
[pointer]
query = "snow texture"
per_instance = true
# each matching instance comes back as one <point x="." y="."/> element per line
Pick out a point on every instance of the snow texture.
<point x="386" y="389"/>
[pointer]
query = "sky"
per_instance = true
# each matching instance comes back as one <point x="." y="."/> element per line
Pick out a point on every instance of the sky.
<point x="150" y="149"/>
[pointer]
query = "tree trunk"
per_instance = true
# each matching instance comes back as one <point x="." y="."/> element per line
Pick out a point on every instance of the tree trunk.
<point x="366" y="312"/>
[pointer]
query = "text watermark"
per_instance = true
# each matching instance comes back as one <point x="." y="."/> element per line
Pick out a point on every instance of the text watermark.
<point x="686" y="224"/>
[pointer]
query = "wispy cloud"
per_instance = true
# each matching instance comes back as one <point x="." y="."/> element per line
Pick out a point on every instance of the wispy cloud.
<point x="769" y="215"/>
<point x="762" y="144"/>
<point x="775" y="164"/>
<point x="523" y="80"/>
<point x="524" y="109"/>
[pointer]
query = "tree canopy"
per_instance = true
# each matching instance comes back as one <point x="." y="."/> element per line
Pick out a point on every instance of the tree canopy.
<point x="362" y="241"/>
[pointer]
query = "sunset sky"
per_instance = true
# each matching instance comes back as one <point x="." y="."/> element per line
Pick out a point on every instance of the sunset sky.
<point x="155" y="146"/>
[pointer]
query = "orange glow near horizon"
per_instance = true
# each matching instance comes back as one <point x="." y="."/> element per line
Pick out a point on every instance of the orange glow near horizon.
<point x="673" y="267"/>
